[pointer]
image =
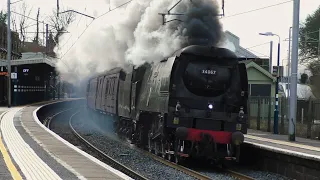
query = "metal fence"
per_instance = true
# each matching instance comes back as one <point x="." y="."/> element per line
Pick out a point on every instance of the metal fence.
<point x="261" y="116"/>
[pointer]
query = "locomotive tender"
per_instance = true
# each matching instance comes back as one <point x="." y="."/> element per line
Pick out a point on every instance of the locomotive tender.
<point x="192" y="104"/>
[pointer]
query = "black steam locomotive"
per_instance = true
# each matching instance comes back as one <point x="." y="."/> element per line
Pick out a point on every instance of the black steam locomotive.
<point x="192" y="104"/>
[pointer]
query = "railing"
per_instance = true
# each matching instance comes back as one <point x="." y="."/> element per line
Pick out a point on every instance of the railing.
<point x="261" y="116"/>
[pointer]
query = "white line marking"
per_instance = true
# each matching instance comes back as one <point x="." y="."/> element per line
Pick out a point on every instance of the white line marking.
<point x="97" y="161"/>
<point x="284" y="143"/>
<point x="285" y="151"/>
<point x="29" y="162"/>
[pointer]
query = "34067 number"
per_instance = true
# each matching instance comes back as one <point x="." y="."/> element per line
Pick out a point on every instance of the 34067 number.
<point x="211" y="72"/>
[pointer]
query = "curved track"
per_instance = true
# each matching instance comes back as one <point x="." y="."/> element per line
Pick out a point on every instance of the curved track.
<point x="196" y="174"/>
<point x="110" y="160"/>
<point x="63" y="129"/>
<point x="128" y="171"/>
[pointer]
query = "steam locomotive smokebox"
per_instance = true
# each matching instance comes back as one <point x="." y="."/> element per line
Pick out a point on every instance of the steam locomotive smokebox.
<point x="30" y="83"/>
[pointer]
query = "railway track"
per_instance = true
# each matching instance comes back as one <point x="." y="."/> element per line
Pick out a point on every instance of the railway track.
<point x="136" y="175"/>
<point x="188" y="171"/>
<point x="196" y="174"/>
<point x="112" y="162"/>
<point x="47" y="121"/>
<point x="238" y="175"/>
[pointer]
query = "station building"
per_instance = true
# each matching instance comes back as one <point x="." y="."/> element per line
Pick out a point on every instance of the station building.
<point x="260" y="79"/>
<point x="32" y="78"/>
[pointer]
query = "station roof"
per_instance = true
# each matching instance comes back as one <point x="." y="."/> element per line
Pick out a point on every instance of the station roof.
<point x="252" y="64"/>
<point x="46" y="60"/>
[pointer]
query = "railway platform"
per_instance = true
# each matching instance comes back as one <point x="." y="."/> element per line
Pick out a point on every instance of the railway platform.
<point x="31" y="151"/>
<point x="302" y="147"/>
<point x="275" y="153"/>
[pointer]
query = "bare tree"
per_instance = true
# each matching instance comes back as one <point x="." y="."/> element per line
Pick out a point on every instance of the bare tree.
<point x="23" y="21"/>
<point x="14" y="21"/>
<point x="60" y="23"/>
<point x="3" y="18"/>
<point x="36" y="39"/>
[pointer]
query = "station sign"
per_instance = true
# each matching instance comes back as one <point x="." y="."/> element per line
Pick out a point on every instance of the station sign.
<point x="25" y="70"/>
<point x="14" y="75"/>
<point x="277" y="71"/>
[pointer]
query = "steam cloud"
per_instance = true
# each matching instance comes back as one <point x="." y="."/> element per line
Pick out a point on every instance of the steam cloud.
<point x="135" y="34"/>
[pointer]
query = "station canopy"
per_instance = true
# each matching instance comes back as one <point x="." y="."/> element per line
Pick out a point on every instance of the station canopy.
<point x="35" y="59"/>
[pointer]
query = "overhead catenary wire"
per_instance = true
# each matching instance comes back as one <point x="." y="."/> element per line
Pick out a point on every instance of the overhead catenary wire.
<point x="26" y="27"/>
<point x="257" y="45"/>
<point x="110" y="10"/>
<point x="264" y="55"/>
<point x="61" y="59"/>
<point x="31" y="18"/>
<point x="258" y="9"/>
<point x="71" y="34"/>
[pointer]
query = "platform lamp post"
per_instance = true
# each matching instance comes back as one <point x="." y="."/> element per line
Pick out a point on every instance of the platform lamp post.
<point x="9" y="49"/>
<point x="9" y="55"/>
<point x="276" y="110"/>
<point x="288" y="73"/>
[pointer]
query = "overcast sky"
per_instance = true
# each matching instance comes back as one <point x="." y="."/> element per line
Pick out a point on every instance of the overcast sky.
<point x="276" y="19"/>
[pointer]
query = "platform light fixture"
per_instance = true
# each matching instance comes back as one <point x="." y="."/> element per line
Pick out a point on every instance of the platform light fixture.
<point x="276" y="111"/>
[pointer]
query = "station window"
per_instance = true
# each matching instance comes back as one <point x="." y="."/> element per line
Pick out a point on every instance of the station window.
<point x="260" y="90"/>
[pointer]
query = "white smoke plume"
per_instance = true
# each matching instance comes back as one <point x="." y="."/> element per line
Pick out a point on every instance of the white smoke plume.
<point x="135" y="34"/>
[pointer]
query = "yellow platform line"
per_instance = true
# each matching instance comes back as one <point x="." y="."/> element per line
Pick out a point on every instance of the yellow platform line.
<point x="13" y="170"/>
<point x="285" y="143"/>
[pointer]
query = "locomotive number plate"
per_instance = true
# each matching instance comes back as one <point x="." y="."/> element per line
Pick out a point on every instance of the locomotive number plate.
<point x="208" y="72"/>
<point x="238" y="127"/>
<point x="176" y="120"/>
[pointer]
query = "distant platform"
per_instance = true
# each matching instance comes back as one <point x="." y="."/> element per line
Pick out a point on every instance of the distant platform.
<point x="302" y="147"/>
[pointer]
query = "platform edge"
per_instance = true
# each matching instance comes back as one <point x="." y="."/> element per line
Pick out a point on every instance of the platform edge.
<point x="284" y="151"/>
<point x="95" y="160"/>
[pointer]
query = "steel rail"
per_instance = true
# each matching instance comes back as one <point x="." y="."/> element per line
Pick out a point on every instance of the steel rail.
<point x="183" y="169"/>
<point x="132" y="173"/>
<point x="238" y="175"/>
<point x="112" y="162"/>
<point x="47" y="121"/>
<point x="196" y="174"/>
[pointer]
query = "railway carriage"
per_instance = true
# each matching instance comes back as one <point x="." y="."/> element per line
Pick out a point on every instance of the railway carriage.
<point x="191" y="104"/>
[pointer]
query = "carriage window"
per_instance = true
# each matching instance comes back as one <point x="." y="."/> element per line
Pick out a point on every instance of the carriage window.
<point x="106" y="86"/>
<point x="114" y="82"/>
<point x="109" y="86"/>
